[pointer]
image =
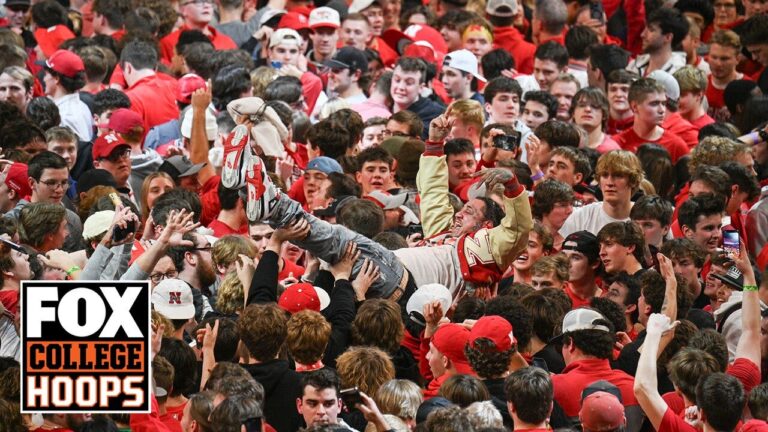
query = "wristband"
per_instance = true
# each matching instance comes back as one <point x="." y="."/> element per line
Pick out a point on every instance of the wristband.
<point x="750" y="287"/>
<point x="72" y="270"/>
<point x="538" y="176"/>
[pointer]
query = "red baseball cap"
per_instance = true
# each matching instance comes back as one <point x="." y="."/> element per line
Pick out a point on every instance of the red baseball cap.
<point x="187" y="85"/>
<point x="450" y="339"/>
<point x="50" y="38"/>
<point x="124" y="120"/>
<point x="18" y="179"/>
<point x="601" y="412"/>
<point x="65" y="63"/>
<point x="415" y="32"/>
<point x="300" y="296"/>
<point x="105" y="144"/>
<point x="294" y="20"/>
<point x="495" y="328"/>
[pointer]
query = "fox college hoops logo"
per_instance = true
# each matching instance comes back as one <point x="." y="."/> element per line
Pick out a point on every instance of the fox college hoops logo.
<point x="85" y="347"/>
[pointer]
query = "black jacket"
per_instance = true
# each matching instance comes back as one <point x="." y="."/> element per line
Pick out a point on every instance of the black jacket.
<point x="282" y="386"/>
<point x="426" y="110"/>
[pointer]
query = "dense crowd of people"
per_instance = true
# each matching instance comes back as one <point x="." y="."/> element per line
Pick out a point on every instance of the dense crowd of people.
<point x="393" y="215"/>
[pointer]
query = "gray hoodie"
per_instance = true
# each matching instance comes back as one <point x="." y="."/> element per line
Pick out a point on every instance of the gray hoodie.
<point x="141" y="166"/>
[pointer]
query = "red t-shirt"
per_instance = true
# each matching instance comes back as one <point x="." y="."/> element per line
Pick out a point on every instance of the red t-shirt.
<point x="209" y="198"/>
<point x="675" y="124"/>
<point x="579" y="374"/>
<point x="10" y="300"/>
<point x="618" y="126"/>
<point x="575" y="299"/>
<point x="702" y="121"/>
<point x="628" y="140"/>
<point x="171" y="422"/>
<point x="671" y="422"/>
<point x="154" y="98"/>
<point x="175" y="413"/>
<point x="220" y="41"/>
<point x="220" y="229"/>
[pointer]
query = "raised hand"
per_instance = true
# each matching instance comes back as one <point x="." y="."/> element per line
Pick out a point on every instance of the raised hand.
<point x="179" y="223"/>
<point x="368" y="274"/>
<point x="659" y="324"/>
<point x="343" y="268"/>
<point x="495" y="176"/>
<point x="298" y="230"/>
<point x="245" y="269"/>
<point x="201" y="98"/>
<point x="532" y="145"/>
<point x="666" y="269"/>
<point x="123" y="216"/>
<point x="439" y="128"/>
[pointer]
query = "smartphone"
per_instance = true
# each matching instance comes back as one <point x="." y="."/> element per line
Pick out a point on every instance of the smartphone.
<point x="351" y="397"/>
<point x="416" y="229"/>
<point x="252" y="424"/>
<point x="731" y="243"/>
<point x="596" y="10"/>
<point x="119" y="234"/>
<point x="276" y="64"/>
<point x="509" y="142"/>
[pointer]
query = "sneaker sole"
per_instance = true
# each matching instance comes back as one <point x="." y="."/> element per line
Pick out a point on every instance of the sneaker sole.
<point x="232" y="172"/>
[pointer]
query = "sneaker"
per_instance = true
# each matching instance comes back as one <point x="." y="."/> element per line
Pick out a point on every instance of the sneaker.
<point x="236" y="151"/>
<point x="261" y="194"/>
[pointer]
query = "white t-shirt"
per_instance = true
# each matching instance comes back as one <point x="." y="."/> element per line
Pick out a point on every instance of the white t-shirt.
<point x="590" y="218"/>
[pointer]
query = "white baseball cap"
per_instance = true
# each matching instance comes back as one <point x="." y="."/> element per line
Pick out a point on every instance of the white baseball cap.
<point x="211" y="127"/>
<point x="501" y="8"/>
<point x="358" y="6"/>
<point x="285" y="35"/>
<point x="427" y="294"/>
<point x="97" y="224"/>
<point x="173" y="299"/>
<point x="464" y="61"/>
<point x="324" y="17"/>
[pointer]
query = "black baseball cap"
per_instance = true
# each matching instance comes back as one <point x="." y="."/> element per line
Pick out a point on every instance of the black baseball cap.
<point x="349" y="58"/>
<point x="733" y="278"/>
<point x="584" y="242"/>
<point x="180" y="166"/>
<point x="95" y="177"/>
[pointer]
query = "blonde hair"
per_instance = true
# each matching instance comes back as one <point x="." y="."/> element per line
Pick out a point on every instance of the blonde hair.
<point x="622" y="163"/>
<point x="394" y="423"/>
<point x="714" y="150"/>
<point x="691" y="79"/>
<point x="260" y="79"/>
<point x="469" y="111"/>
<point x="557" y="264"/>
<point x="726" y="38"/>
<point x="399" y="397"/>
<point x="20" y="74"/>
<point x="230" y="298"/>
<point x="145" y="192"/>
<point x="333" y="105"/>
<point x="227" y="250"/>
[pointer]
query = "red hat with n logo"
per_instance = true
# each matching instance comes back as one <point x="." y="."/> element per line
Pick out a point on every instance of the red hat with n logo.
<point x="173" y="299"/>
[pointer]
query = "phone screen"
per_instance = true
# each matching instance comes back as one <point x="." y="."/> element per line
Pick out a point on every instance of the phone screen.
<point x="731" y="243"/>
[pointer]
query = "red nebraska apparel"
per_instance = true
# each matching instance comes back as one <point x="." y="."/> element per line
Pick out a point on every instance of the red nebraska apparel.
<point x="628" y="140"/>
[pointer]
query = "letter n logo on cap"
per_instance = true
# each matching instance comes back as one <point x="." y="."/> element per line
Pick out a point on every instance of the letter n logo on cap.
<point x="174" y="297"/>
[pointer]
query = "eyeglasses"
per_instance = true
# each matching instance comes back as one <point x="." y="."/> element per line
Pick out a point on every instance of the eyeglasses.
<point x="53" y="184"/>
<point x="115" y="156"/>
<point x="157" y="277"/>
<point x="198" y="2"/>
<point x="389" y="133"/>
<point x="725" y="5"/>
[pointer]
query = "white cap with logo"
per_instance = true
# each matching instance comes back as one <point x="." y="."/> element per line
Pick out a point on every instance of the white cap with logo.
<point x="464" y="61"/>
<point x="173" y="299"/>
